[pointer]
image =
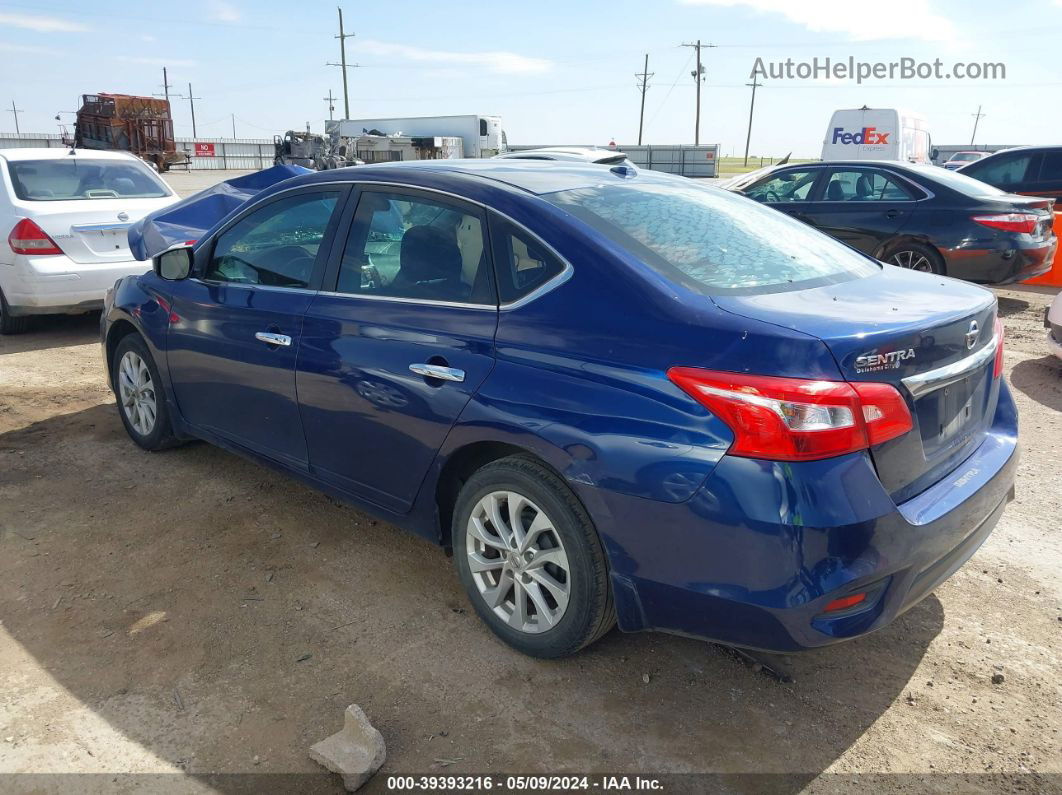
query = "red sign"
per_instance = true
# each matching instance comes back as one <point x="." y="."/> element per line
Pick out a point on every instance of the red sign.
<point x="204" y="150"/>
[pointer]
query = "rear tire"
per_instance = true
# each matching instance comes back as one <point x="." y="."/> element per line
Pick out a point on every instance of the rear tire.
<point x="915" y="256"/>
<point x="11" y="324"/>
<point x="140" y="396"/>
<point x="530" y="559"/>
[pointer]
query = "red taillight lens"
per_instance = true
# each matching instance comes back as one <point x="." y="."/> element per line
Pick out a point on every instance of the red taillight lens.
<point x="1010" y="222"/>
<point x="793" y="419"/>
<point x="28" y="238"/>
<point x="997" y="368"/>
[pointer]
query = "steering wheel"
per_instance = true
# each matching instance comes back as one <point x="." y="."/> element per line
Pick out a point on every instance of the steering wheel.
<point x="767" y="194"/>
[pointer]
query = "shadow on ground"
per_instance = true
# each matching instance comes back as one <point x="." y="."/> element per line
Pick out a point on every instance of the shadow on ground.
<point x="222" y="616"/>
<point x="1040" y="379"/>
<point x="53" y="331"/>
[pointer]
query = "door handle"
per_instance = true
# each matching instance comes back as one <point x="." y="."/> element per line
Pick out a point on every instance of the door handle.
<point x="438" y="371"/>
<point x="892" y="214"/>
<point x="269" y="338"/>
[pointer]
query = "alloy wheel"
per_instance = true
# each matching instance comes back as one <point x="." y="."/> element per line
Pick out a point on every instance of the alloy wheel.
<point x="136" y="391"/>
<point x="913" y="260"/>
<point x="518" y="562"/>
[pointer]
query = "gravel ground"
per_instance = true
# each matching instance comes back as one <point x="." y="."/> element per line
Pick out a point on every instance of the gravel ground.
<point x="189" y="614"/>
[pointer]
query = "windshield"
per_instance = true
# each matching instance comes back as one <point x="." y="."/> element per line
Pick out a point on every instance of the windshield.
<point x="711" y="240"/>
<point x="78" y="178"/>
<point x="968" y="186"/>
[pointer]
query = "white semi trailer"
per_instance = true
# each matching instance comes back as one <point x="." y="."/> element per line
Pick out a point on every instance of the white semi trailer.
<point x="482" y="135"/>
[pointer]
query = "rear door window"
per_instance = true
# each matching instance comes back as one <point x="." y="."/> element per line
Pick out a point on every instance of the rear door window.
<point x="414" y="247"/>
<point x="522" y="262"/>
<point x="1051" y="166"/>
<point x="864" y="185"/>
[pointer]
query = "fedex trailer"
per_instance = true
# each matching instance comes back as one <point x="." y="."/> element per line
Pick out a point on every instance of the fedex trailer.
<point x="877" y="134"/>
<point x="482" y="135"/>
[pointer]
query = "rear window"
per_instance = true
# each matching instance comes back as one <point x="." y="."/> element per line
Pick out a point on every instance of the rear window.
<point x="78" y="178"/>
<point x="968" y="186"/>
<point x="713" y="241"/>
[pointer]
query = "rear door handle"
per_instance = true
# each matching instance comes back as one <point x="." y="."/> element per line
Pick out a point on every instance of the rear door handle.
<point x="892" y="214"/>
<point x="438" y="371"/>
<point x="269" y="338"/>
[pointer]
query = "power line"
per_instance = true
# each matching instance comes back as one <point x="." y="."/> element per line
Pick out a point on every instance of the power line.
<point x="643" y="86"/>
<point x="678" y="77"/>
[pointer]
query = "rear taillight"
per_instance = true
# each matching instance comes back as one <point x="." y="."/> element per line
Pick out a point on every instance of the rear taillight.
<point x="28" y="238"/>
<point x="793" y="419"/>
<point x="997" y="368"/>
<point x="1010" y="222"/>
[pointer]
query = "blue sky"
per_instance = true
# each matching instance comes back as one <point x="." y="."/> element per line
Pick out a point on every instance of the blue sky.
<point x="557" y="72"/>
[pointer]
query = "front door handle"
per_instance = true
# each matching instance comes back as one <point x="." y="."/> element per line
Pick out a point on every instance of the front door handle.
<point x="269" y="338"/>
<point x="438" y="371"/>
<point x="892" y="214"/>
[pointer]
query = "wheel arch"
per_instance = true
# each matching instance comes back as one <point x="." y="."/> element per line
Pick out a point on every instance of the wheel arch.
<point x="119" y="330"/>
<point x="461" y="464"/>
<point x="898" y="240"/>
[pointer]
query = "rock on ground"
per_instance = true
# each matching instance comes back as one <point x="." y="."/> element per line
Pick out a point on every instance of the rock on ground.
<point x="356" y="752"/>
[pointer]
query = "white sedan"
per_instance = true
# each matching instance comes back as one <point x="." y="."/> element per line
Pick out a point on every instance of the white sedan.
<point x="1053" y="322"/>
<point x="67" y="213"/>
<point x="576" y="154"/>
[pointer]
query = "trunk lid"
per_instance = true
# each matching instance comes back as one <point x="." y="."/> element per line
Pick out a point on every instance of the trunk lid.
<point x="902" y="328"/>
<point x="91" y="231"/>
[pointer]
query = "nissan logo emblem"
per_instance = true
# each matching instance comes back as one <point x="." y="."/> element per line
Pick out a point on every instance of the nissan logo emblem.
<point x="971" y="335"/>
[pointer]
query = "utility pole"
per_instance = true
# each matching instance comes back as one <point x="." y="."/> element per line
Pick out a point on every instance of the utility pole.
<point x="234" y="126"/>
<point x="698" y="78"/>
<point x="331" y="104"/>
<point x="643" y="86"/>
<point x="166" y="86"/>
<point x="343" y="63"/>
<point x="977" y="118"/>
<point x="752" y="106"/>
<point x="191" y="101"/>
<point x="15" y="111"/>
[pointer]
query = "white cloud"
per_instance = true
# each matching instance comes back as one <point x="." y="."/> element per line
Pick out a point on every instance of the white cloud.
<point x="224" y="12"/>
<point x="494" y="61"/>
<point x="861" y="21"/>
<point x="155" y="61"/>
<point x="27" y="49"/>
<point x="42" y="24"/>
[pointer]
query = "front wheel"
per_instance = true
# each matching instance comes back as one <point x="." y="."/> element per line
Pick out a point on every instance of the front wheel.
<point x="141" y="401"/>
<point x="530" y="559"/>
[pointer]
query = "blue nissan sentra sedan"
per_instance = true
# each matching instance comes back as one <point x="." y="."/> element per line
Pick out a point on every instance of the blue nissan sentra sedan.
<point x="618" y="397"/>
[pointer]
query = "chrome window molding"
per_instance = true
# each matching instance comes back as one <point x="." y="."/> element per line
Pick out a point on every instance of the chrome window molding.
<point x="924" y="383"/>
<point x="244" y="285"/>
<point x="538" y="292"/>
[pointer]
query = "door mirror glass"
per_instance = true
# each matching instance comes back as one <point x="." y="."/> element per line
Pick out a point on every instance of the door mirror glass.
<point x="174" y="264"/>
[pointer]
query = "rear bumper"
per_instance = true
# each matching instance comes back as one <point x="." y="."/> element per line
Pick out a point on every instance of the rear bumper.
<point x="753" y="558"/>
<point x="1003" y="263"/>
<point x="56" y="284"/>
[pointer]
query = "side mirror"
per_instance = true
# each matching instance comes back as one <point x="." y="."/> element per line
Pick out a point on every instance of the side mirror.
<point x="175" y="264"/>
<point x="934" y="155"/>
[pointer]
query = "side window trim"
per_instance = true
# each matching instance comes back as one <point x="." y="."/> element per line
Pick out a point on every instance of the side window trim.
<point x="204" y="255"/>
<point x="330" y="280"/>
<point x="550" y="284"/>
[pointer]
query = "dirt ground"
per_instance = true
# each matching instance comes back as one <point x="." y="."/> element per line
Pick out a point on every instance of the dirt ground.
<point x="169" y="619"/>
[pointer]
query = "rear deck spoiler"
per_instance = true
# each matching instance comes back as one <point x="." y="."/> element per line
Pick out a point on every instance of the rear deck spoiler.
<point x="189" y="219"/>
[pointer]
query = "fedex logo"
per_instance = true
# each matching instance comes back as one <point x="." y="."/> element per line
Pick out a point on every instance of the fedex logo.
<point x="868" y="135"/>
